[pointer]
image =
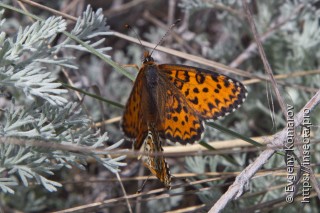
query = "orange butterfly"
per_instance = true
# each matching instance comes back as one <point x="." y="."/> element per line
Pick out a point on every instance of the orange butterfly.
<point x="172" y="102"/>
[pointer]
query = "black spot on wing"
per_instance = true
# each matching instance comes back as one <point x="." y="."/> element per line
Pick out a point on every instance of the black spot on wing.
<point x="194" y="101"/>
<point x="205" y="89"/>
<point x="200" y="78"/>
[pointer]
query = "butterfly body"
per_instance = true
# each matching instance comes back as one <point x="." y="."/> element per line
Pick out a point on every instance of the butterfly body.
<point x="150" y="93"/>
<point x="171" y="102"/>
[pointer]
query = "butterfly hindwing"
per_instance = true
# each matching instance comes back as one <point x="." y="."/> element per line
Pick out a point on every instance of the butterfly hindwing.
<point x="180" y="122"/>
<point x="153" y="158"/>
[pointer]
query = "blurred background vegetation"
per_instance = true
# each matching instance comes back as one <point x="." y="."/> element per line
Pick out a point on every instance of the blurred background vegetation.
<point x="213" y="30"/>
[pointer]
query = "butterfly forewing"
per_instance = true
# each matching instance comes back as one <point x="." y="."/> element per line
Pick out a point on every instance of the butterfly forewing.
<point x="133" y="123"/>
<point x="210" y="94"/>
<point x="194" y="95"/>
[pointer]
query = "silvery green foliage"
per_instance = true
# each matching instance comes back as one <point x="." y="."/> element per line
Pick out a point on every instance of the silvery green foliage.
<point x="165" y="204"/>
<point x="34" y="81"/>
<point x="5" y="183"/>
<point x="230" y="28"/>
<point x="20" y="59"/>
<point x="52" y="133"/>
<point x="24" y="60"/>
<point x="302" y="41"/>
<point x="295" y="46"/>
<point x="90" y="25"/>
<point x="198" y="165"/>
<point x="193" y="5"/>
<point x="63" y="125"/>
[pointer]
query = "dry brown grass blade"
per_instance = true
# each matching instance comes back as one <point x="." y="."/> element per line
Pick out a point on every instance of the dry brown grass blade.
<point x="190" y="57"/>
<point x="56" y="12"/>
<point x="188" y="209"/>
<point x="124" y="7"/>
<point x="226" y="144"/>
<point x="285" y="76"/>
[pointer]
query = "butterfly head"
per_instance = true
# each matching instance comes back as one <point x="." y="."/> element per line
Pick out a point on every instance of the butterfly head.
<point x="147" y="57"/>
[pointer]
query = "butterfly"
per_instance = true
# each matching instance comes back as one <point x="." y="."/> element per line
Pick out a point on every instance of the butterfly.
<point x="172" y="102"/>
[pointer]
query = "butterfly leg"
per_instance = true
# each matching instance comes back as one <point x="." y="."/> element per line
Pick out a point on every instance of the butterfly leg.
<point x="143" y="185"/>
<point x="131" y="65"/>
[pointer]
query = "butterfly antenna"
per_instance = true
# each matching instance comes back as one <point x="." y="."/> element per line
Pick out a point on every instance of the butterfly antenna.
<point x="169" y="30"/>
<point x="136" y="34"/>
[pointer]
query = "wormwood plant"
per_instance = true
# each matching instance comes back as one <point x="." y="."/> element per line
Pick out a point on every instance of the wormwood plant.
<point x="41" y="131"/>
